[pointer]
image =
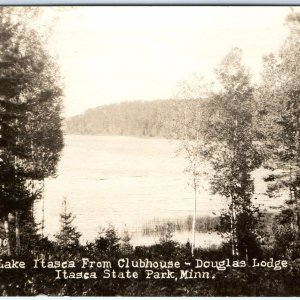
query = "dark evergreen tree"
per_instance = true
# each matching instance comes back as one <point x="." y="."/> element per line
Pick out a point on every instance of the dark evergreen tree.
<point x="30" y="125"/>
<point x="68" y="236"/>
<point x="108" y="243"/>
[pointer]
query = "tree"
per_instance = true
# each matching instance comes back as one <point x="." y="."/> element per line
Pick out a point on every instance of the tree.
<point x="233" y="153"/>
<point x="107" y="243"/>
<point x="68" y="236"/>
<point x="190" y="122"/>
<point x="126" y="246"/>
<point x="30" y="105"/>
<point x="279" y="107"/>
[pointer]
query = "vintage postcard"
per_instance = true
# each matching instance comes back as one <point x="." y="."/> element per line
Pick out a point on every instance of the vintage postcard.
<point x="150" y="151"/>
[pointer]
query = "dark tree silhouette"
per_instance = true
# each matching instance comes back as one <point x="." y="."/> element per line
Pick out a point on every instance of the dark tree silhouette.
<point x="30" y="126"/>
<point x="68" y="236"/>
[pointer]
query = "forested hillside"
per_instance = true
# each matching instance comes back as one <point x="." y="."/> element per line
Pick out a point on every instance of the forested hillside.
<point x="137" y="118"/>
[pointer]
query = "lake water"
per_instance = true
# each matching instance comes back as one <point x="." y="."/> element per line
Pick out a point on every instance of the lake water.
<point x="124" y="182"/>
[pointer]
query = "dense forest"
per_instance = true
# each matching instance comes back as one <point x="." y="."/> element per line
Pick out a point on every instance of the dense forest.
<point x="133" y="118"/>
<point x="235" y="129"/>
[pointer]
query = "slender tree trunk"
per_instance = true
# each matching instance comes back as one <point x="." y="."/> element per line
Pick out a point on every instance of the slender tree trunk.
<point x="18" y="240"/>
<point x="291" y="190"/>
<point x="17" y="216"/>
<point x="7" y="236"/>
<point x="234" y="238"/>
<point x="195" y="179"/>
<point x="234" y="224"/>
<point x="43" y="208"/>
<point x="298" y="165"/>
<point x="232" y="232"/>
<point x="194" y="220"/>
<point x="235" y="232"/>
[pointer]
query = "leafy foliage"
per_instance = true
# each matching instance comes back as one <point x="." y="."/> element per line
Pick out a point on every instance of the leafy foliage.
<point x="233" y="153"/>
<point x="280" y="126"/>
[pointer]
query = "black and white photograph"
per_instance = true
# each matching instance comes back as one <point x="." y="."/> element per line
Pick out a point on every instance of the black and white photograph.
<point x="149" y="151"/>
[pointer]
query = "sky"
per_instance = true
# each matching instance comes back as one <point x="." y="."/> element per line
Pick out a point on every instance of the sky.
<point x="114" y="54"/>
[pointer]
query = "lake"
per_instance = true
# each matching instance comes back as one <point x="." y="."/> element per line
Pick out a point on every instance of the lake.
<point x="126" y="181"/>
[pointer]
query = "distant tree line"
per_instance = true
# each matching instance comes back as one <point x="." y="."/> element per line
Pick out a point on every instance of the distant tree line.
<point x="133" y="118"/>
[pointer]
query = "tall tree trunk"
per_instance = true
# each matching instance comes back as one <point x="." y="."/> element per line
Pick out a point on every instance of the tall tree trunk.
<point x="235" y="233"/>
<point x="43" y="208"/>
<point x="17" y="225"/>
<point x="194" y="221"/>
<point x="298" y="166"/>
<point x="233" y="198"/>
<point x="234" y="238"/>
<point x="7" y="236"/>
<point x="195" y="179"/>
<point x="232" y="232"/>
